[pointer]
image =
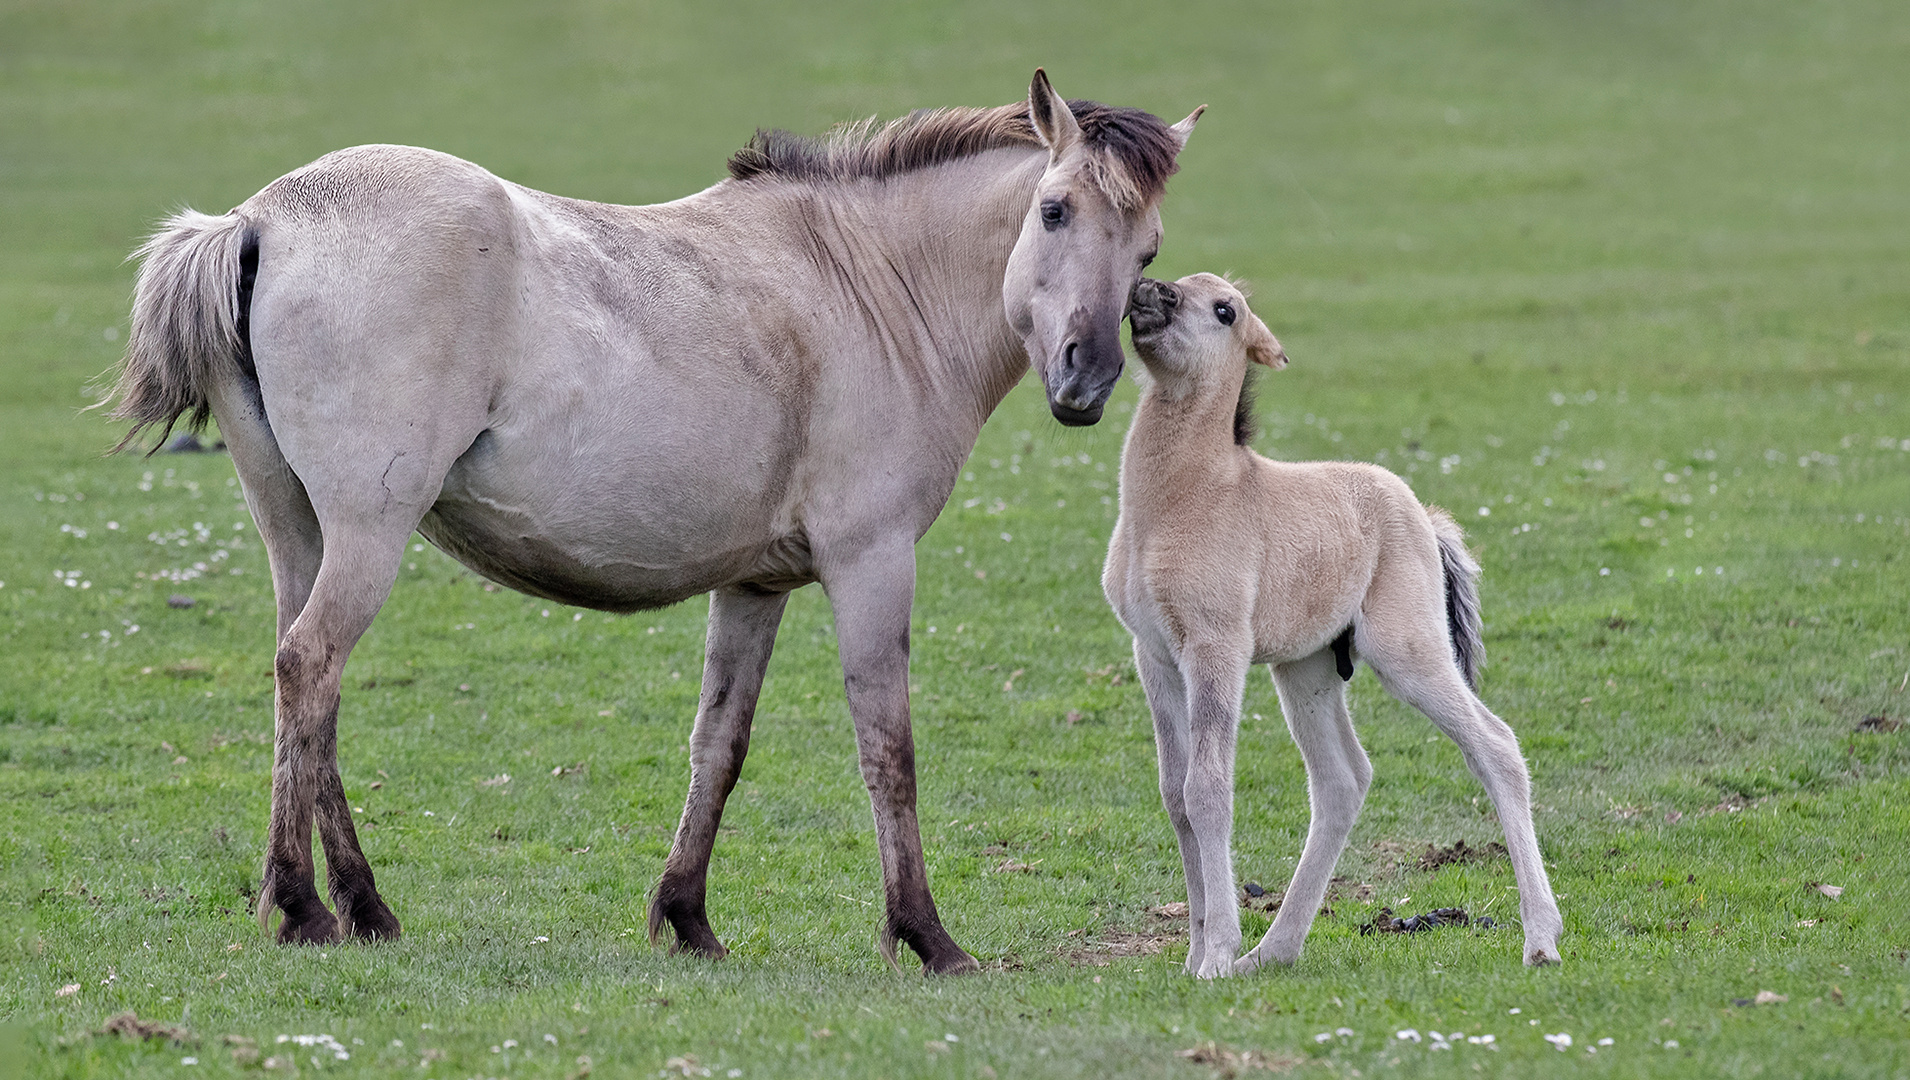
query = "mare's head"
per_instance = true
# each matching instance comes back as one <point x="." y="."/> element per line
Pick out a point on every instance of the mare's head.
<point x="1199" y="329"/>
<point x="1093" y="223"/>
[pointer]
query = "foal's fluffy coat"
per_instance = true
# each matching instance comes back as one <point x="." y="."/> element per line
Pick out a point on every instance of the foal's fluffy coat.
<point x="1223" y="559"/>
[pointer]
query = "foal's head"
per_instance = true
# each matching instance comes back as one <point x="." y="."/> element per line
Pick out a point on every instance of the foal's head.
<point x="1199" y="329"/>
<point x="1093" y="224"/>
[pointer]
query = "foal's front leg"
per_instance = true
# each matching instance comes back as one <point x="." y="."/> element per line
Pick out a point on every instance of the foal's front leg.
<point x="742" y="632"/>
<point x="1337" y="775"/>
<point x="1216" y="675"/>
<point x="1167" y="700"/>
<point x="871" y="593"/>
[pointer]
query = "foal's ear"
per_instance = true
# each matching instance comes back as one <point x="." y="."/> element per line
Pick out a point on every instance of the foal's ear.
<point x="1185" y="128"/>
<point x="1262" y="346"/>
<point x="1054" y="123"/>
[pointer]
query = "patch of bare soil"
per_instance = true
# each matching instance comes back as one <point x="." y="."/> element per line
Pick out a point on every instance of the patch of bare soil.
<point x="1231" y="1063"/>
<point x="1099" y="947"/>
<point x="1435" y="857"/>
<point x="1880" y="724"/>
<point x="129" y="1026"/>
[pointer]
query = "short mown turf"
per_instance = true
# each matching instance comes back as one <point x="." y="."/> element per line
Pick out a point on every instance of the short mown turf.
<point x="1625" y="286"/>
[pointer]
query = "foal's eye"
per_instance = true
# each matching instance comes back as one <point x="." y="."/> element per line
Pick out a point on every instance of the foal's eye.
<point x="1054" y="214"/>
<point x="1225" y="313"/>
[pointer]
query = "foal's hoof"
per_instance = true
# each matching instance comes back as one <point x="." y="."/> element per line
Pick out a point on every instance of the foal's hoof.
<point x="1542" y="956"/>
<point x="318" y="929"/>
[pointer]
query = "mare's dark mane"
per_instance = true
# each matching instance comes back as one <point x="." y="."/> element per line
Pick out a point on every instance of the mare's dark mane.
<point x="1138" y="143"/>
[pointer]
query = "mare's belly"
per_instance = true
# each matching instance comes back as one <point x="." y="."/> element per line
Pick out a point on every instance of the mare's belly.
<point x="617" y="525"/>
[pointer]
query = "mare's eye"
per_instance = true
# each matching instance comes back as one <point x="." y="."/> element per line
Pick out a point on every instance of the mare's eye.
<point x="1225" y="313"/>
<point x="1054" y="214"/>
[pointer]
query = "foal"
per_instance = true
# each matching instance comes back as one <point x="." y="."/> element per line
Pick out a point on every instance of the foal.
<point x="1223" y="559"/>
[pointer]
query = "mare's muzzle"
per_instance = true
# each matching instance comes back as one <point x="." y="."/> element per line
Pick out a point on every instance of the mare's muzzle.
<point x="1151" y="306"/>
<point x="1079" y="384"/>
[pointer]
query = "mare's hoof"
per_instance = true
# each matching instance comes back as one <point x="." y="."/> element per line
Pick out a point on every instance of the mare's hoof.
<point x="372" y="920"/>
<point x="709" y="948"/>
<point x="957" y="962"/>
<point x="1542" y="956"/>
<point x="319" y="929"/>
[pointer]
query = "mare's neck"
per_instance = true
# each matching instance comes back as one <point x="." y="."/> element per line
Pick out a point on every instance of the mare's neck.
<point x="926" y="251"/>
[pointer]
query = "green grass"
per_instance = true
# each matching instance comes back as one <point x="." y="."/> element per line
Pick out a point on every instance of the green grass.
<point x="1632" y="274"/>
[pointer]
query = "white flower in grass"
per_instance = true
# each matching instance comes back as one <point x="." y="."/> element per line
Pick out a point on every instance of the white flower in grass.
<point x="1324" y="1036"/>
<point x="1561" y="1040"/>
<point x="1406" y="1035"/>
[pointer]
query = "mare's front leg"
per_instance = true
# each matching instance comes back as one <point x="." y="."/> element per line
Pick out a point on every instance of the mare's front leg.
<point x="871" y="591"/>
<point x="1313" y="696"/>
<point x="742" y="632"/>
<point x="1215" y="673"/>
<point x="1167" y="700"/>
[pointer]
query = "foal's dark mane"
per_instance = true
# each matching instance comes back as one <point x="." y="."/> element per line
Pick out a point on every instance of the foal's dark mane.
<point x="1244" y="427"/>
<point x="1139" y="144"/>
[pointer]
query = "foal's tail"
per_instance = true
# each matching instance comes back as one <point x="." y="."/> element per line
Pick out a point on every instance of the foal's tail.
<point x="189" y="314"/>
<point x="1462" y="595"/>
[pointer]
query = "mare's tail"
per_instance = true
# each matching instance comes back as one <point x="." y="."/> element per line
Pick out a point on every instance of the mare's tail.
<point x="189" y="313"/>
<point x="1462" y="595"/>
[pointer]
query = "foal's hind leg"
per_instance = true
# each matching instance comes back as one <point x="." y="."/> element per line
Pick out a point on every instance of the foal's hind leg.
<point x="742" y="632"/>
<point x="1167" y="700"/>
<point x="1313" y="696"/>
<point x="1422" y="674"/>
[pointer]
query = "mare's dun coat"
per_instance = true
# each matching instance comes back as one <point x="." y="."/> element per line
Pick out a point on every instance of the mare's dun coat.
<point x="771" y="382"/>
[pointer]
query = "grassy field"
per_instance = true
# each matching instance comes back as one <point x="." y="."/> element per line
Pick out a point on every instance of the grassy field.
<point x="1624" y="285"/>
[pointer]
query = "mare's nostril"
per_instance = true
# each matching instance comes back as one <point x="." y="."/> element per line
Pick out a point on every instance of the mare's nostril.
<point x="1067" y="359"/>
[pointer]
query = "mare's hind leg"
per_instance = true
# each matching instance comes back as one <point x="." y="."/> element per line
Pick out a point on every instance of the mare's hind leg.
<point x="1313" y="696"/>
<point x="1167" y="700"/>
<point x="289" y="529"/>
<point x="351" y="585"/>
<point x="1415" y="664"/>
<point x="742" y="632"/>
<point x="335" y="516"/>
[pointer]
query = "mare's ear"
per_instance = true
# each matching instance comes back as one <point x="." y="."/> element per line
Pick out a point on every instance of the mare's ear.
<point x="1054" y="124"/>
<point x="1185" y="128"/>
<point x="1262" y="346"/>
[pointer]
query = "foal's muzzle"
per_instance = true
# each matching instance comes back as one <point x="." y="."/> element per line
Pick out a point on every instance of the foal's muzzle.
<point x="1151" y="306"/>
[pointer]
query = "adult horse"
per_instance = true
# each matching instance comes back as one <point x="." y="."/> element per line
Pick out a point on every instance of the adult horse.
<point x="771" y="382"/>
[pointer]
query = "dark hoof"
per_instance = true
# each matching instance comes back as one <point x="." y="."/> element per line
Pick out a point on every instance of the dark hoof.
<point x="682" y="912"/>
<point x="709" y="948"/>
<point x="372" y="921"/>
<point x="956" y="963"/>
<point x="319" y="929"/>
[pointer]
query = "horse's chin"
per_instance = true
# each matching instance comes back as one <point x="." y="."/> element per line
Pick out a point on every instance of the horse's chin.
<point x="1087" y="417"/>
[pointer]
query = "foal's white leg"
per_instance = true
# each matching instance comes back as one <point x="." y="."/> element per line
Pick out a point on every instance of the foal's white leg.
<point x="1216" y="676"/>
<point x="1313" y="696"/>
<point x="1433" y="686"/>
<point x="1167" y="700"/>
